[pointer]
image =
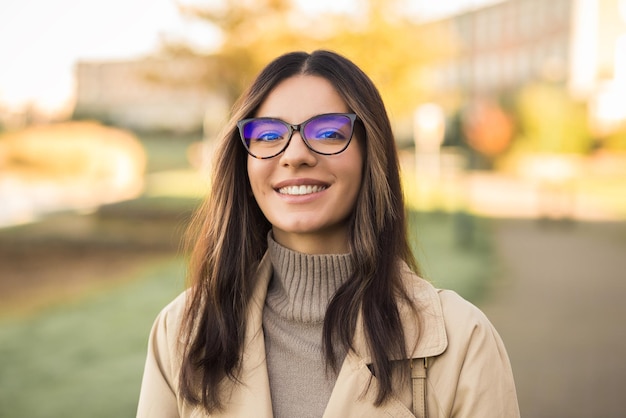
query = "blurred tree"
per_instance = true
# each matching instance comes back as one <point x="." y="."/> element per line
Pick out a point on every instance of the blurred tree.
<point x="393" y="51"/>
<point x="551" y="121"/>
<point x="379" y="37"/>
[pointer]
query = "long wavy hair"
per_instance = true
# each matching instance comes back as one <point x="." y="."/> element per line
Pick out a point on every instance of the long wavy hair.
<point x="229" y="234"/>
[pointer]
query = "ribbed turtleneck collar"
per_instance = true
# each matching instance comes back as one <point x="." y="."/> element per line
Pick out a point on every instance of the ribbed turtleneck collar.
<point x="303" y="284"/>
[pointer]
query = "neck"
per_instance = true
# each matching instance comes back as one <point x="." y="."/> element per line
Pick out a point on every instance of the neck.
<point x="320" y="242"/>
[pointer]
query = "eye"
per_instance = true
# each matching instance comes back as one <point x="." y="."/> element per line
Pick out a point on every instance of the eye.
<point x="267" y="136"/>
<point x="330" y="133"/>
<point x="265" y="131"/>
<point x="329" y="128"/>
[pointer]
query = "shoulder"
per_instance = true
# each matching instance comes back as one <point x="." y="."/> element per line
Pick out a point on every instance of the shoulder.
<point x="470" y="374"/>
<point x="442" y="305"/>
<point x="175" y="309"/>
<point x="448" y="322"/>
<point x="160" y="379"/>
<point x="472" y="338"/>
<point x="467" y="327"/>
<point x="475" y="366"/>
<point x="177" y="306"/>
<point x="168" y="322"/>
<point x="458" y="312"/>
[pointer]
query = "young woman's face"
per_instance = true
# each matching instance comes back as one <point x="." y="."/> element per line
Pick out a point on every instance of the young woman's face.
<point x="307" y="219"/>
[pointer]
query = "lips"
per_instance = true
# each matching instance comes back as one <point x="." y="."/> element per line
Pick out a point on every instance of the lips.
<point x="301" y="190"/>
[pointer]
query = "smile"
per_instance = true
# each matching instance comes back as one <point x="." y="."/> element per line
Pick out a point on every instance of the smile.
<point x="300" y="190"/>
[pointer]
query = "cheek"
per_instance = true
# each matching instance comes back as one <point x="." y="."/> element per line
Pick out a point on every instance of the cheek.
<point x="353" y="179"/>
<point x="256" y="175"/>
<point x="357" y="170"/>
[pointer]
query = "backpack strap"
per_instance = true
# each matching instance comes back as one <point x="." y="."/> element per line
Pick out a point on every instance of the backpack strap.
<point x="418" y="381"/>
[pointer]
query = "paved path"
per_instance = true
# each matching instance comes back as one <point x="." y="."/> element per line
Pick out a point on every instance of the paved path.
<point x="559" y="303"/>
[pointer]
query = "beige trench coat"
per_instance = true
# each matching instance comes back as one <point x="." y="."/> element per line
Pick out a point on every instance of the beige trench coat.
<point x="469" y="373"/>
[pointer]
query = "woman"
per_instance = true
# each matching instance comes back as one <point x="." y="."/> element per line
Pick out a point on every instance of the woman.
<point x="304" y="299"/>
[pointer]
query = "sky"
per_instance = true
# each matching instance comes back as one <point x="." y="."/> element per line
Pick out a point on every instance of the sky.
<point x="42" y="40"/>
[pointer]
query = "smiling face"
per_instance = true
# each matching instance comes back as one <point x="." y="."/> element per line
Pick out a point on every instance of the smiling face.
<point x="307" y="197"/>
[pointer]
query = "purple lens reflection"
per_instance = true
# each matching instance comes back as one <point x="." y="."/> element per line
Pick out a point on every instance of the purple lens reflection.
<point x="328" y="128"/>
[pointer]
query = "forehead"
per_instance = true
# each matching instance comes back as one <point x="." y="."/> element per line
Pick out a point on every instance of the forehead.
<point x="298" y="98"/>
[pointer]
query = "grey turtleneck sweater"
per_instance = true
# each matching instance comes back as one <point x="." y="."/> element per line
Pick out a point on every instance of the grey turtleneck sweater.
<point x="298" y="294"/>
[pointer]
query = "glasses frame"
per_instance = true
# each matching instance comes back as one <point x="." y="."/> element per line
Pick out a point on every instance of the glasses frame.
<point x="300" y="129"/>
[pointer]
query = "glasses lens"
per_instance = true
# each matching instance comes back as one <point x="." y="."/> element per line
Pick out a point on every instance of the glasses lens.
<point x="265" y="137"/>
<point x="328" y="134"/>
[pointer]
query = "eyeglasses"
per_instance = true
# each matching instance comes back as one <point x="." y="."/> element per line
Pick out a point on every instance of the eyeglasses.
<point x="326" y="134"/>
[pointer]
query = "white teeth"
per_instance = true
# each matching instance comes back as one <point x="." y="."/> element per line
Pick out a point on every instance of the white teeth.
<point x="300" y="190"/>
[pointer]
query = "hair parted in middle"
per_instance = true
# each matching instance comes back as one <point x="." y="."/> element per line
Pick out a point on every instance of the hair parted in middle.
<point x="228" y="238"/>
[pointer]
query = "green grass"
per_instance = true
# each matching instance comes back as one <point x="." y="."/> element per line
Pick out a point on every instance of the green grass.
<point x="84" y="359"/>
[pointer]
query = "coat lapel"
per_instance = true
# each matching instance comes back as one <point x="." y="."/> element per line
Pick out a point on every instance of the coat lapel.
<point x="354" y="394"/>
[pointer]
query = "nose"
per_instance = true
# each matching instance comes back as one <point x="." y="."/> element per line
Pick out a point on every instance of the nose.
<point x="298" y="153"/>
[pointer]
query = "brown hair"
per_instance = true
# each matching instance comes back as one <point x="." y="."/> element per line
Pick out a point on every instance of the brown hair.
<point x="230" y="238"/>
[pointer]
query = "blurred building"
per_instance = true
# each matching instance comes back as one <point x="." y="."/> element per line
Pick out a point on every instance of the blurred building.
<point x="152" y="94"/>
<point x="502" y="46"/>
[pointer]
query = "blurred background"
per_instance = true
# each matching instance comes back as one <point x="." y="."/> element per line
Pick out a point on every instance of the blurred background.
<point x="510" y="117"/>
